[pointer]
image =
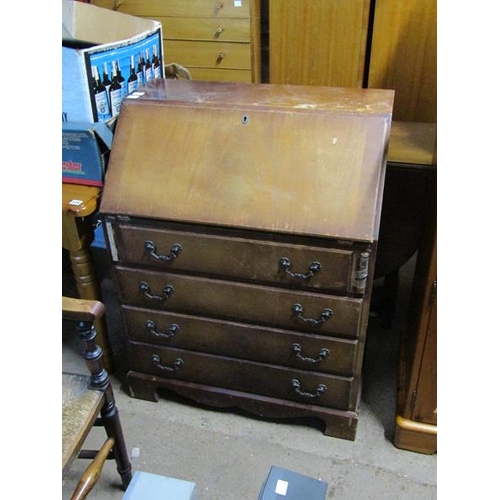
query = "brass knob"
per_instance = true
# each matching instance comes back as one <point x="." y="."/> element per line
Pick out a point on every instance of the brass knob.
<point x="218" y="32"/>
<point x="218" y="6"/>
<point x="220" y="56"/>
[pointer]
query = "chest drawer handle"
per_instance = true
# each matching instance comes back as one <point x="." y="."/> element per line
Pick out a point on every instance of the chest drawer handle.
<point x="218" y="32"/>
<point x="321" y="389"/>
<point x="156" y="360"/>
<point x="174" y="251"/>
<point x="322" y="354"/>
<point x="297" y="310"/>
<point x="285" y="264"/>
<point x="167" y="291"/>
<point x="172" y="330"/>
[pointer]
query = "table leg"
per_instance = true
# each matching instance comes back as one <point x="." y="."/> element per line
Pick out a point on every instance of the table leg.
<point x="77" y="236"/>
<point x="88" y="288"/>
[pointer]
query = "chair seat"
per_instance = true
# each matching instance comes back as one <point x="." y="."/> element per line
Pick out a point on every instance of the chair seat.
<point x="80" y="408"/>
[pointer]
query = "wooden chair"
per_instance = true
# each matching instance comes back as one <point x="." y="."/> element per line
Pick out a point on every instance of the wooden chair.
<point x="88" y="401"/>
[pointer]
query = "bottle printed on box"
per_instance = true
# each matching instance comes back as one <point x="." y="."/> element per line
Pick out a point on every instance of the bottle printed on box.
<point x="115" y="92"/>
<point x="105" y="77"/>
<point x="100" y="97"/>
<point x="147" y="68"/>
<point x="156" y="64"/>
<point x="120" y="78"/>
<point x="139" y="73"/>
<point x="133" y="81"/>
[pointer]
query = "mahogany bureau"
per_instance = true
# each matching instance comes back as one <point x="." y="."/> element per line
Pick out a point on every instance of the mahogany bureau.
<point x="242" y="220"/>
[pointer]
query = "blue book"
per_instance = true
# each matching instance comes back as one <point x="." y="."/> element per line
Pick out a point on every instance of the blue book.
<point x="283" y="484"/>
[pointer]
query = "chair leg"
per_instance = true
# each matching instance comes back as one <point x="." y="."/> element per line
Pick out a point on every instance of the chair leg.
<point x="109" y="412"/>
<point x="112" y="424"/>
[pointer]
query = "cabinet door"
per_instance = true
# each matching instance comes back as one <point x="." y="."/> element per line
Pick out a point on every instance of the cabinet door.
<point x="420" y="345"/>
<point x="318" y="43"/>
<point x="404" y="56"/>
<point x="425" y="405"/>
<point x="424" y="377"/>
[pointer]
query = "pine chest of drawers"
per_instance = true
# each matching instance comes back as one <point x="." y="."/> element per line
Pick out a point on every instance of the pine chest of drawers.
<point x="242" y="221"/>
<point x="215" y="40"/>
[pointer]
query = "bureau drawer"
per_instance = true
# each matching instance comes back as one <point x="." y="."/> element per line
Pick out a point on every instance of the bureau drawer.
<point x="239" y="258"/>
<point x="176" y="8"/>
<point x="221" y="30"/>
<point x="238" y="340"/>
<point x="209" y="54"/>
<point x="257" y="378"/>
<point x="304" y="311"/>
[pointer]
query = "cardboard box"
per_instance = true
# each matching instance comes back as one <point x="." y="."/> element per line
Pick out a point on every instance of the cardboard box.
<point x="85" y="151"/>
<point x="283" y="484"/>
<point x="97" y="39"/>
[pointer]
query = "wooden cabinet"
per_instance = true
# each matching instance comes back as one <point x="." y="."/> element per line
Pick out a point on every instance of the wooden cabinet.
<point x="389" y="44"/>
<point x="318" y="43"/>
<point x="416" y="420"/>
<point x="214" y="40"/>
<point x="242" y="222"/>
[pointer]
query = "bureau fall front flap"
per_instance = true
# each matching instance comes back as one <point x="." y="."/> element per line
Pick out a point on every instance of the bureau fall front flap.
<point x="302" y="160"/>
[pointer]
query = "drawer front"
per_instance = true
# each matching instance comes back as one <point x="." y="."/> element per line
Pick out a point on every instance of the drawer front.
<point x="238" y="340"/>
<point x="221" y="75"/>
<point x="176" y="8"/>
<point x="224" y="55"/>
<point x="238" y="258"/>
<point x="216" y="30"/>
<point x="268" y="380"/>
<point x="289" y="309"/>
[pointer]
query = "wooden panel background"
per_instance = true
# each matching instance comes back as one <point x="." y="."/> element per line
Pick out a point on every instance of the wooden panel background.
<point x="404" y="56"/>
<point x="318" y="43"/>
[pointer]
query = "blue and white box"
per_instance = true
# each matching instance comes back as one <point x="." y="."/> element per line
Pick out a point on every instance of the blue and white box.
<point x="98" y="41"/>
<point x="85" y="151"/>
<point x="147" y="486"/>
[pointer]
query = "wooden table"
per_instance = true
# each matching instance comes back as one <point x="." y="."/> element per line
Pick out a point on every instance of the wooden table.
<point x="411" y="167"/>
<point x="413" y="143"/>
<point x="78" y="204"/>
